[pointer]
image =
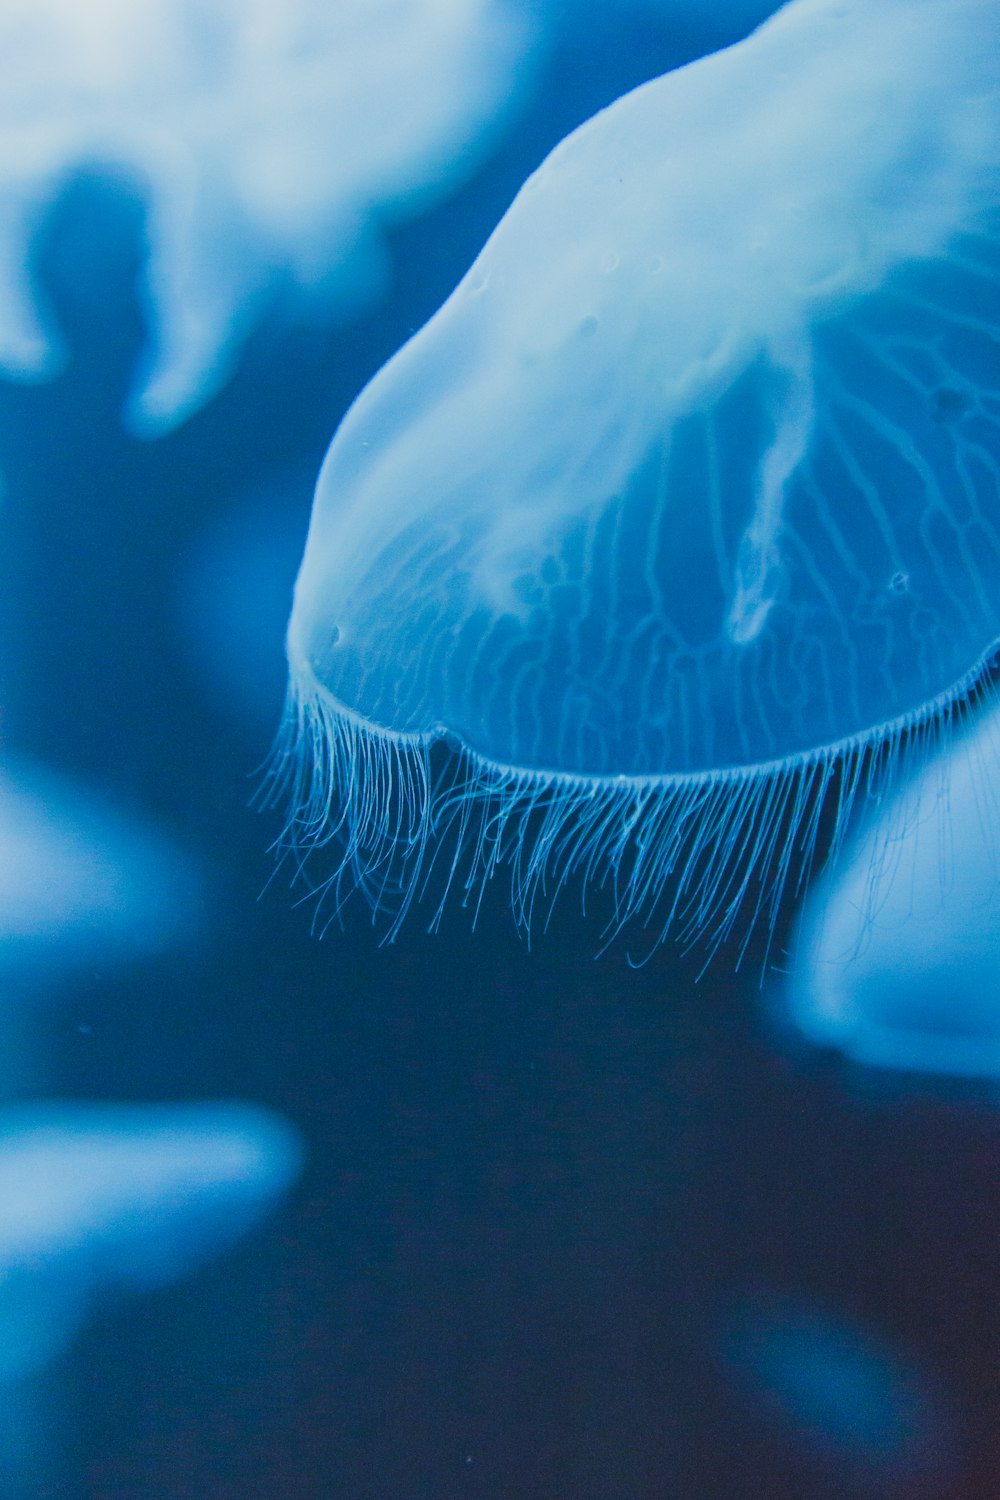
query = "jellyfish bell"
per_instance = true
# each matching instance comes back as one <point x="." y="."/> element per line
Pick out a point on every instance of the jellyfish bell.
<point x="896" y="963"/>
<point x="686" y="501"/>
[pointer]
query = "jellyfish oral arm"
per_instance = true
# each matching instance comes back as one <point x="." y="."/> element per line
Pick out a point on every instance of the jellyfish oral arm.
<point x="758" y="559"/>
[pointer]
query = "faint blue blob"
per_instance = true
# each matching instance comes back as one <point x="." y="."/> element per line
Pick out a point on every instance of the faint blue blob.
<point x="79" y="880"/>
<point x="273" y="138"/>
<point x="234" y="595"/>
<point x="897" y="961"/>
<point x="687" y="498"/>
<point x="841" y="1393"/>
<point x="97" y="1199"/>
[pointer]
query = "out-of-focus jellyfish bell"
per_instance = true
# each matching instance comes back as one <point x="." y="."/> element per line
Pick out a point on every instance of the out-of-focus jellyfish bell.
<point x="269" y="137"/>
<point x="77" y="879"/>
<point x="81" y="884"/>
<point x="844" y="1395"/>
<point x="898" y="958"/>
<point x="111" y="1197"/>
<point x="687" y="498"/>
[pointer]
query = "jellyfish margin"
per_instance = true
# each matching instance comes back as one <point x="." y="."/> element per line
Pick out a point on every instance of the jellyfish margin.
<point x="704" y="858"/>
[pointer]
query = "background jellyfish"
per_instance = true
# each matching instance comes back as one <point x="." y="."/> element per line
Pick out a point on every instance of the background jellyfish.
<point x="869" y="1417"/>
<point x="687" y="498"/>
<point x="104" y="1199"/>
<point x="78" y="879"/>
<point x="104" y="1196"/>
<point x="897" y="961"/>
<point x="80" y="885"/>
<point x="268" y="140"/>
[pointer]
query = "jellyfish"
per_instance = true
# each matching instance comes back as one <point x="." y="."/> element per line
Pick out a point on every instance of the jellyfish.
<point x="270" y="141"/>
<point x="78" y="879"/>
<point x="682" y="511"/>
<point x="897" y="959"/>
<point x="80" y="884"/>
<point x="101" y="1198"/>
<point x="844" y="1393"/>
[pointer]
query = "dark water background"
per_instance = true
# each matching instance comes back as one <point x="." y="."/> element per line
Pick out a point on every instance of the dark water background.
<point x="536" y="1181"/>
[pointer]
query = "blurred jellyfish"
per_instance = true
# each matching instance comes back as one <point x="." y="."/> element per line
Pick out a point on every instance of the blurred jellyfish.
<point x="270" y="139"/>
<point x="849" y="1400"/>
<point x="78" y="880"/>
<point x="687" y="499"/>
<point x="897" y="962"/>
<point x="80" y="884"/>
<point x="103" y="1198"/>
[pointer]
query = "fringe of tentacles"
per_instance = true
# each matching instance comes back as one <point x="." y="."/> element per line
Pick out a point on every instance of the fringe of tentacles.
<point x="702" y="859"/>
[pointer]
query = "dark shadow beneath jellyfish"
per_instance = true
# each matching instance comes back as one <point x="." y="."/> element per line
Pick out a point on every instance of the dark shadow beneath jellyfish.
<point x="684" y="510"/>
